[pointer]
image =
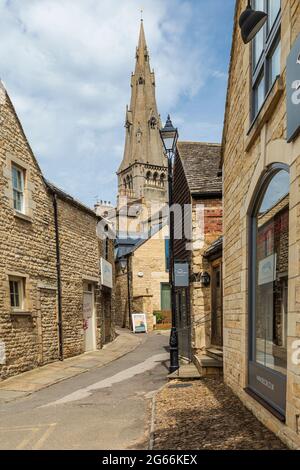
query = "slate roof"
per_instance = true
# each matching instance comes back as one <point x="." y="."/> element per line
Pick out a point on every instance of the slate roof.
<point x="125" y="247"/>
<point x="67" y="197"/>
<point x="201" y="163"/>
<point x="215" y="248"/>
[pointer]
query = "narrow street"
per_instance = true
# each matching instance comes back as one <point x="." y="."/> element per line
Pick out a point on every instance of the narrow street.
<point x="116" y="406"/>
<point x="104" y="408"/>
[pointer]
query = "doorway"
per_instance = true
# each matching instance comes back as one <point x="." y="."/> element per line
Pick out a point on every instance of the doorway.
<point x="268" y="289"/>
<point x="217" y="307"/>
<point x="89" y="318"/>
<point x="107" y="334"/>
<point x="183" y="323"/>
<point x="165" y="297"/>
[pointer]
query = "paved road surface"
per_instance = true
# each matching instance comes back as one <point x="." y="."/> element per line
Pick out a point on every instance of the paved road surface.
<point x="106" y="408"/>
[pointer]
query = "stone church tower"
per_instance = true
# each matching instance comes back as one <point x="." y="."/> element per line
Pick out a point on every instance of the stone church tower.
<point x="142" y="176"/>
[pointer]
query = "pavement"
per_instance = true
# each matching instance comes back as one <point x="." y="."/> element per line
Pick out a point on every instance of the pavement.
<point x="206" y="415"/>
<point x="98" y="401"/>
<point x="29" y="382"/>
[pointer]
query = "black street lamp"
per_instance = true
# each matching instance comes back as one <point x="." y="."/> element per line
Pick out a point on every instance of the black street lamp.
<point x="251" y="21"/>
<point x="124" y="265"/>
<point x="169" y="136"/>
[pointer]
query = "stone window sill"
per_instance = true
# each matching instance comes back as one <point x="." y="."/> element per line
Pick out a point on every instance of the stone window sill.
<point x="265" y="113"/>
<point x="22" y="216"/>
<point x="21" y="313"/>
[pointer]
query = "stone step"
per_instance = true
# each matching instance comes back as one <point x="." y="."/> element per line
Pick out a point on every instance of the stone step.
<point x="215" y="353"/>
<point x="185" y="372"/>
<point x="207" y="361"/>
<point x="208" y="366"/>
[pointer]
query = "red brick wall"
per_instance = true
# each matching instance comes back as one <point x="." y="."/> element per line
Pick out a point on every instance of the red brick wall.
<point x="213" y="217"/>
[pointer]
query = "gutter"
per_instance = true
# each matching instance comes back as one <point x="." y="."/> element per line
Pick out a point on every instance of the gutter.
<point x="207" y="195"/>
<point x="58" y="271"/>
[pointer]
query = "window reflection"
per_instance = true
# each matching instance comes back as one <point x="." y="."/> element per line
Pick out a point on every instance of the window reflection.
<point x="259" y="94"/>
<point x="259" y="38"/>
<point x="258" y="47"/>
<point x="273" y="10"/>
<point x="265" y="53"/>
<point x="272" y="234"/>
<point x="274" y="68"/>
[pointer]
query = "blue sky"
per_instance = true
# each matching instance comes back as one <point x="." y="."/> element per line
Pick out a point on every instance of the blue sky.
<point x="67" y="63"/>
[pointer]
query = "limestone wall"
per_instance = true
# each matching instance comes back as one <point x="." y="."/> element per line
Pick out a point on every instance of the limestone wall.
<point x="29" y="333"/>
<point x="27" y="248"/>
<point x="207" y="227"/>
<point x="149" y="272"/>
<point x="80" y="261"/>
<point x="247" y="154"/>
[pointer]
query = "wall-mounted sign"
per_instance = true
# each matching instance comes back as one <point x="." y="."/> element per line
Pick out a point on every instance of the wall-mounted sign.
<point x="2" y="353"/>
<point x="106" y="273"/>
<point x="87" y="305"/>
<point x="293" y="91"/>
<point x="139" y="323"/>
<point x="268" y="385"/>
<point x="267" y="270"/>
<point x="181" y="275"/>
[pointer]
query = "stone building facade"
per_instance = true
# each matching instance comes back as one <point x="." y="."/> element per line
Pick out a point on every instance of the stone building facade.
<point x="42" y="316"/>
<point x="261" y="162"/>
<point x="198" y="192"/>
<point x="145" y="280"/>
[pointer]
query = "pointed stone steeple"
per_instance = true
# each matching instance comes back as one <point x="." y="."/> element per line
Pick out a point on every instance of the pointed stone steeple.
<point x="142" y="51"/>
<point x="144" y="162"/>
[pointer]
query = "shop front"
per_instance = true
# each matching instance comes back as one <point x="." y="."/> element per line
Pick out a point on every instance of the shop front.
<point x="268" y="289"/>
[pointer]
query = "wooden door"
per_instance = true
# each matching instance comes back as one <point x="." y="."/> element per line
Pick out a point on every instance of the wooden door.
<point x="217" y="307"/>
<point x="165" y="297"/>
<point x="89" y="320"/>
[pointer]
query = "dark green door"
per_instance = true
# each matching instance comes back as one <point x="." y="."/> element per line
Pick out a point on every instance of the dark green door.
<point x="165" y="297"/>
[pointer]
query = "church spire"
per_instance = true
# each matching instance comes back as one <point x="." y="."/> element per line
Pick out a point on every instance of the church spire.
<point x="143" y="143"/>
<point x="142" y="50"/>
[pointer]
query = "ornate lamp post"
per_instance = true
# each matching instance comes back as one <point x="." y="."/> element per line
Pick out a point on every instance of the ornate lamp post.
<point x="124" y="264"/>
<point x="169" y="136"/>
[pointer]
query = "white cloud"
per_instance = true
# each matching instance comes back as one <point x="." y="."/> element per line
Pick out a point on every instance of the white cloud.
<point x="67" y="65"/>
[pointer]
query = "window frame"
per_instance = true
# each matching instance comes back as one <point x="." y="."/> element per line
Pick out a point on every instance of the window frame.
<point x="22" y="172"/>
<point x="167" y="255"/>
<point x="20" y="282"/>
<point x="271" y="39"/>
<point x="258" y="197"/>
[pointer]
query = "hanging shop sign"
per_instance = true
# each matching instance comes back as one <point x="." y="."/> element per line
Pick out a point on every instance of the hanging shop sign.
<point x="106" y="273"/>
<point x="181" y="275"/>
<point x="293" y="91"/>
<point x="2" y="353"/>
<point x="87" y="305"/>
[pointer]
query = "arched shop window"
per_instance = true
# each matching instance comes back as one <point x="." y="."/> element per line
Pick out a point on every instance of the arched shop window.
<point x="268" y="288"/>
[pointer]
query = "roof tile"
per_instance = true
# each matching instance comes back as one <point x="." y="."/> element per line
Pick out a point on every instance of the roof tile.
<point x="201" y="166"/>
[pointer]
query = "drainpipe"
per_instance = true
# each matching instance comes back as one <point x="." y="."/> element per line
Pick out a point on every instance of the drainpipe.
<point x="58" y="271"/>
